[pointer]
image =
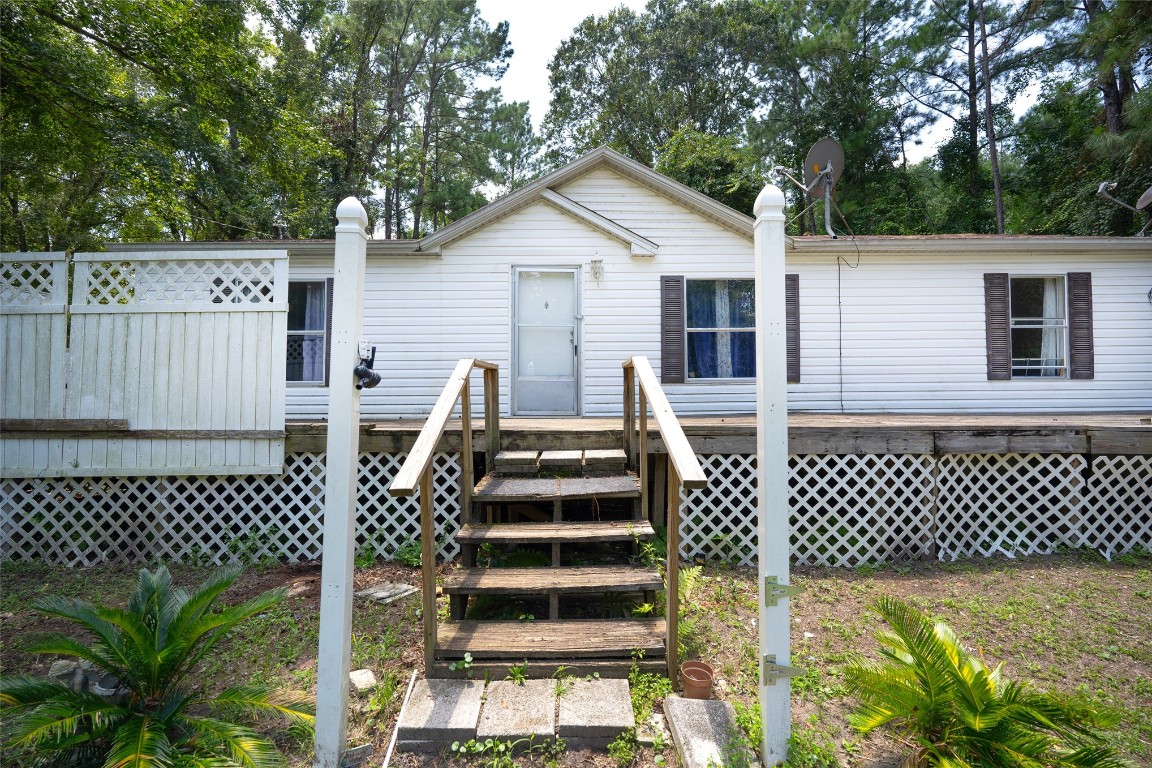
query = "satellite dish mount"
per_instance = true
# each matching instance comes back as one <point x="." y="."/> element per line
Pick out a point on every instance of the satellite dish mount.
<point x="1143" y="205"/>
<point x="822" y="169"/>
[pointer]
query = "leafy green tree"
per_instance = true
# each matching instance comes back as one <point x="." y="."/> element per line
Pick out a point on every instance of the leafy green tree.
<point x="958" y="713"/>
<point x="630" y="81"/>
<point x="160" y="717"/>
<point x="514" y="146"/>
<point x="714" y="165"/>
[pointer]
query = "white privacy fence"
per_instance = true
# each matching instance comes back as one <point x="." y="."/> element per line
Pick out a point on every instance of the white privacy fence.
<point x="170" y="363"/>
<point x="846" y="510"/>
<point x="33" y="337"/>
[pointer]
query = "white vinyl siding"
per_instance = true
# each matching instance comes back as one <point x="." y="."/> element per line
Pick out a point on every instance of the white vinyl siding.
<point x="913" y="330"/>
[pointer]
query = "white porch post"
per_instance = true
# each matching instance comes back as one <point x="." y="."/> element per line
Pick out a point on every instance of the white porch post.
<point x="772" y="463"/>
<point x="335" y="651"/>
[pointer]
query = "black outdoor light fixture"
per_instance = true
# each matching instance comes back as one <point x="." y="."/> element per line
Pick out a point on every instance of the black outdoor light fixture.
<point x="366" y="378"/>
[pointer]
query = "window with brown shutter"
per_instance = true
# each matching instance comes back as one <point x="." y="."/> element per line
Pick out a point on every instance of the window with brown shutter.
<point x="715" y="340"/>
<point x="1039" y="325"/>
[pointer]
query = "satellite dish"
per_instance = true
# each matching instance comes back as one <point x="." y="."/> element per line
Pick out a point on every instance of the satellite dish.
<point x="826" y="154"/>
<point x="1145" y="200"/>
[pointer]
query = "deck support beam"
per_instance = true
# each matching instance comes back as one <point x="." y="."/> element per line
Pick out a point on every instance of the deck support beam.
<point x="772" y="463"/>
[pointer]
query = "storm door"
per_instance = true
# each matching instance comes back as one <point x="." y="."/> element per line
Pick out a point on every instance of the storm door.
<point x="545" y="343"/>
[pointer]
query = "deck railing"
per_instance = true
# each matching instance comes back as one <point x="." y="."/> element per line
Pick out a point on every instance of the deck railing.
<point x="417" y="471"/>
<point x="684" y="471"/>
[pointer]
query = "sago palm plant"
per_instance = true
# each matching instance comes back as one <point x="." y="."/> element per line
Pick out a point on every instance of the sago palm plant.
<point x="958" y="713"/>
<point x="161" y="719"/>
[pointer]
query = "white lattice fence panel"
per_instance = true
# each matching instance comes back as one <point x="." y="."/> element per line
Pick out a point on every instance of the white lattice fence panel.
<point x="145" y="280"/>
<point x="33" y="346"/>
<point x="1009" y="504"/>
<point x="844" y="509"/>
<point x="852" y="509"/>
<point x="386" y="522"/>
<point x="719" y="521"/>
<point x="84" y="521"/>
<point x="1118" y="504"/>
<point x="37" y="283"/>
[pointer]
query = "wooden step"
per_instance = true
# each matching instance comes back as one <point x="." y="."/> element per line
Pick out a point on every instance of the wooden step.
<point x="560" y="533"/>
<point x="527" y="581"/>
<point x="516" y="462"/>
<point x="574" y="639"/>
<point x="496" y="668"/>
<point x="614" y="460"/>
<point x="493" y="488"/>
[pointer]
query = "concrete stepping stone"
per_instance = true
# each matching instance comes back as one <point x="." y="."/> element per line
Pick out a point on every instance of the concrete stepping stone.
<point x="702" y="730"/>
<point x="593" y="713"/>
<point x="512" y="712"/>
<point x="438" y="713"/>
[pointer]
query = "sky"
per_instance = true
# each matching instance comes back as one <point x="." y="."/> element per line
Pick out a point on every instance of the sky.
<point x="535" y="30"/>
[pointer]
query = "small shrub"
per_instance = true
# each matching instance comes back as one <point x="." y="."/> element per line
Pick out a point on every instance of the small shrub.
<point x="158" y="717"/>
<point x="958" y="712"/>
<point x="623" y="748"/>
<point x="409" y="553"/>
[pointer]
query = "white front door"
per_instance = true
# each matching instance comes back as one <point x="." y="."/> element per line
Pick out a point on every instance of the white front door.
<point x="545" y="343"/>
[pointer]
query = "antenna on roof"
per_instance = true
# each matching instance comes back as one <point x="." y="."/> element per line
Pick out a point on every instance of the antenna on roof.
<point x="822" y="169"/>
<point x="1144" y="204"/>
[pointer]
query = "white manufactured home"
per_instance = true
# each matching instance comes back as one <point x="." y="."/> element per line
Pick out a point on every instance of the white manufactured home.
<point x="603" y="259"/>
<point x="171" y="369"/>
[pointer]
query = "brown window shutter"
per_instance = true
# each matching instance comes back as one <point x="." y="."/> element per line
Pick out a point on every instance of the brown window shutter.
<point x="672" y="329"/>
<point x="792" y="325"/>
<point x="1080" y="349"/>
<point x="996" y="326"/>
<point x="328" y="285"/>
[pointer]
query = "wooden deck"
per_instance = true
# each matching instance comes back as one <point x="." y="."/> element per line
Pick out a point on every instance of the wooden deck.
<point x="1096" y="433"/>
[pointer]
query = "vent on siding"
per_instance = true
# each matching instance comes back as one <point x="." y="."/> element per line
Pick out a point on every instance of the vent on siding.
<point x="996" y="320"/>
<point x="792" y="325"/>
<point x="1080" y="348"/>
<point x="672" y="329"/>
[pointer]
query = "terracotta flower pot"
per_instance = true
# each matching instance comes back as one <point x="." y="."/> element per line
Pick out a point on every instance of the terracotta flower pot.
<point x="696" y="679"/>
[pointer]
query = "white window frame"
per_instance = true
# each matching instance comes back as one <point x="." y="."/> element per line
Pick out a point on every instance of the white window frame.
<point x="1043" y="371"/>
<point x="322" y="333"/>
<point x="689" y="330"/>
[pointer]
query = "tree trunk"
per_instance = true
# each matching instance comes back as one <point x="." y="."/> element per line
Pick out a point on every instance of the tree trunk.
<point x="973" y="109"/>
<point x="1111" y="85"/>
<point x="989" y="124"/>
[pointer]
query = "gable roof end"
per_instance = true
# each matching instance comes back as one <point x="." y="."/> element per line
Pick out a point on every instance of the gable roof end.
<point x="640" y="245"/>
<point x="602" y="157"/>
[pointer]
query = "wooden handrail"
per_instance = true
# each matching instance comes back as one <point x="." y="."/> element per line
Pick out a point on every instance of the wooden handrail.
<point x="420" y="457"/>
<point x="675" y="441"/>
<point x="417" y="471"/>
<point x="684" y="471"/>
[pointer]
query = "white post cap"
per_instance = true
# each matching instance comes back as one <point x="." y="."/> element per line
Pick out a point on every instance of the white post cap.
<point x="351" y="214"/>
<point x="769" y="201"/>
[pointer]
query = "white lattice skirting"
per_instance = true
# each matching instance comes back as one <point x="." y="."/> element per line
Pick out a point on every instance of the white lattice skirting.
<point x="845" y="510"/>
